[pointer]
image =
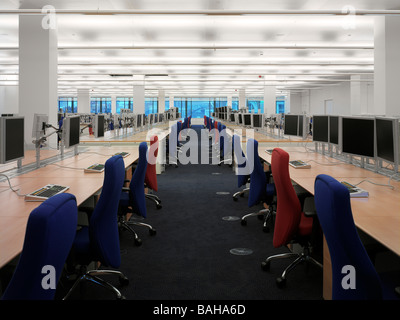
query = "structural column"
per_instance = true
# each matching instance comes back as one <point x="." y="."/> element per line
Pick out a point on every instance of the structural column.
<point x="161" y="101"/>
<point x="38" y="89"/>
<point x="387" y="66"/>
<point x="83" y="100"/>
<point x="269" y="100"/>
<point x="242" y="99"/>
<point x="359" y="95"/>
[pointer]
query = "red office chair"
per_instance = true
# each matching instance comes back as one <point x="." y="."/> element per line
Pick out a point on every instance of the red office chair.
<point x="292" y="225"/>
<point x="150" y="179"/>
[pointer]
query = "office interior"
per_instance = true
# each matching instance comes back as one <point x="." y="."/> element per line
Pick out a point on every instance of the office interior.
<point x="290" y="71"/>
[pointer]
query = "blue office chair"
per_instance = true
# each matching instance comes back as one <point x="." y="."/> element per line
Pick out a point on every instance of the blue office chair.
<point x="260" y="189"/>
<point x="48" y="240"/>
<point x="332" y="202"/>
<point x="240" y="159"/>
<point x="133" y="199"/>
<point x="99" y="241"/>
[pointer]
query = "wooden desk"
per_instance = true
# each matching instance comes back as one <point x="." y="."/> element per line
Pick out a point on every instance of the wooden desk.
<point x="378" y="215"/>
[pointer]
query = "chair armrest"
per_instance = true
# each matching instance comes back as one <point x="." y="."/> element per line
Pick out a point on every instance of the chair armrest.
<point x="125" y="189"/>
<point x="310" y="213"/>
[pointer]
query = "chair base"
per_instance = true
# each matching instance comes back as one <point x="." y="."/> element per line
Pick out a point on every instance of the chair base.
<point x="262" y="213"/>
<point x="240" y="193"/>
<point x="124" y="224"/>
<point x="92" y="276"/>
<point x="155" y="199"/>
<point x="302" y="257"/>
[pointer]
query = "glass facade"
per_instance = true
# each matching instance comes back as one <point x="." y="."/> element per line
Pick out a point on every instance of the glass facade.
<point x="100" y="105"/>
<point x="280" y="106"/>
<point x="124" y="103"/>
<point x="150" y="105"/>
<point x="255" y="105"/>
<point x="68" y="104"/>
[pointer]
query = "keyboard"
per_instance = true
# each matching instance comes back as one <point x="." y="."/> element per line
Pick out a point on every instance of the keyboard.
<point x="45" y="192"/>
<point x="299" y="164"/>
<point x="95" y="168"/>
<point x="355" y="192"/>
<point x="122" y="154"/>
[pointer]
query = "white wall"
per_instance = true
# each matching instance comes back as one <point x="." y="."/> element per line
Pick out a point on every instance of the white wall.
<point x="9" y="99"/>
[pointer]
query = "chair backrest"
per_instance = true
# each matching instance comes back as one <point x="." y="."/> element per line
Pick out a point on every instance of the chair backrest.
<point x="258" y="179"/>
<point x="288" y="213"/>
<point x="136" y="185"/>
<point x="50" y="232"/>
<point x="241" y="161"/>
<point x="151" y="174"/>
<point x="103" y="226"/>
<point x="332" y="202"/>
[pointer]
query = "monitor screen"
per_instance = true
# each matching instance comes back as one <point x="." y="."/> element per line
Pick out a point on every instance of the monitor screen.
<point x="358" y="136"/>
<point x="334" y="130"/>
<point x="138" y="120"/>
<point x="257" y="120"/>
<point x="151" y="118"/>
<point x="232" y="117"/>
<point x="320" y="130"/>
<point x="247" y="119"/>
<point x="156" y="118"/>
<point x="385" y="139"/>
<point x="99" y="126"/>
<point x="291" y="124"/>
<point x="11" y="139"/>
<point x="240" y="118"/>
<point x="301" y="126"/>
<point x="71" y="131"/>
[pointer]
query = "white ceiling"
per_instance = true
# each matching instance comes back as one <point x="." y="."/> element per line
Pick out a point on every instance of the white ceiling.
<point x="202" y="54"/>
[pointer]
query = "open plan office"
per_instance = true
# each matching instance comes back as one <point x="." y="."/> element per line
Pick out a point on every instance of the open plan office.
<point x="199" y="150"/>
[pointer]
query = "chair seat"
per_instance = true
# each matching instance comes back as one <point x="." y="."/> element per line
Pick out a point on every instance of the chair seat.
<point x="81" y="244"/>
<point x="305" y="226"/>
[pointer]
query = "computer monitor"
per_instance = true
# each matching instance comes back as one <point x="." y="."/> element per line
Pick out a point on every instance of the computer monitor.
<point x="387" y="139"/>
<point x="11" y="139"/>
<point x="232" y="117"/>
<point x="138" y="120"/>
<point x="39" y="125"/>
<point x="291" y="125"/>
<point x="258" y="120"/>
<point x="156" y="118"/>
<point x="151" y="119"/>
<point x="71" y="131"/>
<point x="98" y="125"/>
<point x="240" y="118"/>
<point x="161" y="117"/>
<point x="247" y="119"/>
<point x="320" y="131"/>
<point x="334" y="130"/>
<point x="358" y="136"/>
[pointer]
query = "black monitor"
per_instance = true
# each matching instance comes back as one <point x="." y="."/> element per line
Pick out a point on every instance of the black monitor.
<point x="12" y="139"/>
<point x="301" y="126"/>
<point x="320" y="131"/>
<point x="71" y="131"/>
<point x="247" y="119"/>
<point x="291" y="125"/>
<point x="151" y="118"/>
<point x="387" y="139"/>
<point x="240" y="118"/>
<point x="258" y="120"/>
<point x="358" y="135"/>
<point x="156" y="118"/>
<point x="334" y="130"/>
<point x="98" y="125"/>
<point x="232" y="119"/>
<point x="138" y="120"/>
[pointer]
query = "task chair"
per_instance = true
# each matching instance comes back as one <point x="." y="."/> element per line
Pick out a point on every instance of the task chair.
<point x="260" y="189"/>
<point x="241" y="162"/>
<point x="133" y="200"/>
<point x="150" y="179"/>
<point x="292" y="225"/>
<point x="50" y="232"/>
<point x="332" y="202"/>
<point x="99" y="241"/>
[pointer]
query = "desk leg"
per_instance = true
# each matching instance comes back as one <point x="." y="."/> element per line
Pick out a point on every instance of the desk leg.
<point x="327" y="273"/>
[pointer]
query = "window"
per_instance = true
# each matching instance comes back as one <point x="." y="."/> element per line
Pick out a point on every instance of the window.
<point x="235" y="103"/>
<point x="124" y="103"/>
<point x="100" y="105"/>
<point x="280" y="106"/>
<point x="255" y="105"/>
<point x="68" y="104"/>
<point x="150" y="105"/>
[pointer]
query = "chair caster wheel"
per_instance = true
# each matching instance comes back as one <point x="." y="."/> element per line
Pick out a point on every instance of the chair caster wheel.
<point x="138" y="242"/>
<point x="243" y="222"/>
<point x="121" y="298"/>
<point x="266" y="229"/>
<point x="124" y="281"/>
<point x="280" y="282"/>
<point x="152" y="232"/>
<point x="260" y="217"/>
<point x="242" y="195"/>
<point x="159" y="206"/>
<point x="235" y="199"/>
<point x="265" y="265"/>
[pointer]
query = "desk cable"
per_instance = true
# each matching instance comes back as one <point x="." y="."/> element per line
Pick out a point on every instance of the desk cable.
<point x="377" y="184"/>
<point x="54" y="164"/>
<point x="12" y="189"/>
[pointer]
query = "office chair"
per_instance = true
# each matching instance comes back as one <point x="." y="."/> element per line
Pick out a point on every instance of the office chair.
<point x="332" y="202"/>
<point x="241" y="163"/>
<point x="50" y="232"/>
<point x="292" y="225"/>
<point x="260" y="189"/>
<point x="99" y="241"/>
<point x="173" y="146"/>
<point x="150" y="179"/>
<point x="133" y="200"/>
